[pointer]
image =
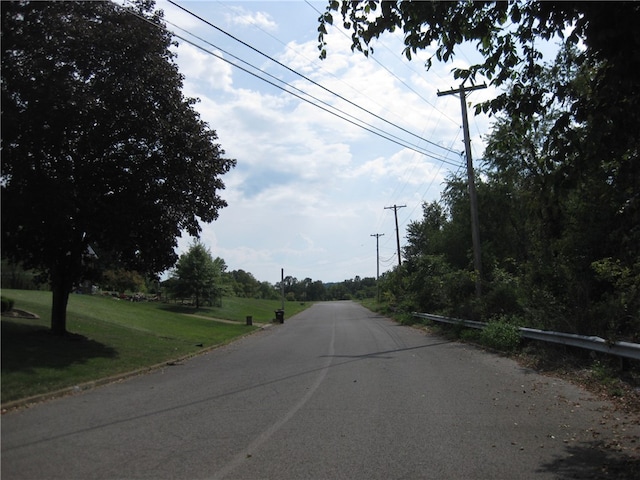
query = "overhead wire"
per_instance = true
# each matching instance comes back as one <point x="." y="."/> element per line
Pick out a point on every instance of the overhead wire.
<point x="393" y="255"/>
<point x="315" y="83"/>
<point x="319" y="66"/>
<point x="413" y="165"/>
<point x="233" y="56"/>
<point x="370" y="128"/>
<point x="373" y="57"/>
<point x="424" y="194"/>
<point x="303" y="76"/>
<point x="415" y="162"/>
<point x="385" y="135"/>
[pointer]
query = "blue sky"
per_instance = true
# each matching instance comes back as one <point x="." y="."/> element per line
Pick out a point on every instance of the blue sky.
<point x="309" y="188"/>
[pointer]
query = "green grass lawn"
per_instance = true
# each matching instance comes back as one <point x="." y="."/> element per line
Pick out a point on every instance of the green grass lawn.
<point x="112" y="337"/>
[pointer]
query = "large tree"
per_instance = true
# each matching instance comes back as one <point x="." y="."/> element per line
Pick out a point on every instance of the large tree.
<point x="100" y="150"/>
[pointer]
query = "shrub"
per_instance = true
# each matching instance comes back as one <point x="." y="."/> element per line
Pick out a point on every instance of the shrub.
<point x="501" y="335"/>
<point x="470" y="335"/>
<point x="406" y="319"/>
<point x="7" y="304"/>
<point x="502" y="295"/>
<point x="460" y="289"/>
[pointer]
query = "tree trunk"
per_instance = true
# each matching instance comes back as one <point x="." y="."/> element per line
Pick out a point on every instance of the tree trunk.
<point x="61" y="287"/>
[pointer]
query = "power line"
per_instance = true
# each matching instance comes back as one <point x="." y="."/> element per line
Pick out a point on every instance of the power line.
<point x="355" y="119"/>
<point x="385" y="135"/>
<point x="388" y="70"/>
<point x="304" y="76"/>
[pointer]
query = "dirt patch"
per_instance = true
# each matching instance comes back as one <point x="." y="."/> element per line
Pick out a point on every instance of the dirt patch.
<point x="599" y="374"/>
<point x="17" y="313"/>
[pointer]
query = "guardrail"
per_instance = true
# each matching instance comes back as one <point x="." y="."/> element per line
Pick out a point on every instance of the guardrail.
<point x="620" y="349"/>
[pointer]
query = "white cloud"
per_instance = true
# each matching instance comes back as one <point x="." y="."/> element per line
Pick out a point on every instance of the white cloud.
<point x="245" y="18"/>
<point x="310" y="188"/>
<point x="198" y="66"/>
<point x="406" y="166"/>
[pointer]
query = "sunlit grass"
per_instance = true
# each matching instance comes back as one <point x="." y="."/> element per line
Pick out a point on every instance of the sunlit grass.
<point x="110" y="337"/>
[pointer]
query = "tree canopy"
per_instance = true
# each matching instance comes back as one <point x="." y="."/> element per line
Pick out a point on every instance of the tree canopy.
<point x="559" y="200"/>
<point x="511" y="37"/>
<point x="100" y="148"/>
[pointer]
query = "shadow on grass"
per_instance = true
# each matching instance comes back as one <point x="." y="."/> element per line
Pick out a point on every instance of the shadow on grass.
<point x="27" y="347"/>
<point x="188" y="309"/>
<point x="595" y="461"/>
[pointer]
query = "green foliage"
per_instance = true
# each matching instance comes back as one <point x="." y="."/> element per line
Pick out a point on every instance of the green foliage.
<point x="458" y="330"/>
<point x="393" y="285"/>
<point x="470" y="335"/>
<point x="122" y="280"/>
<point x="502" y="295"/>
<point x="511" y="54"/>
<point x="14" y="276"/>
<point x="607" y="377"/>
<point x="99" y="147"/>
<point x="244" y="284"/>
<point x="405" y="318"/>
<point x="7" y="303"/>
<point x="197" y="275"/>
<point x="310" y="290"/>
<point x="460" y="290"/>
<point x="303" y="290"/>
<point x="559" y="192"/>
<point x="620" y="301"/>
<point x="501" y="334"/>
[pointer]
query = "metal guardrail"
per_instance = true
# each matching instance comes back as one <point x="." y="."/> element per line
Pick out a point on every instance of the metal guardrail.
<point x="620" y="349"/>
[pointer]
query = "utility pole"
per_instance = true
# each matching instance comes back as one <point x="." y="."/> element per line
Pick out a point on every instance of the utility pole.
<point x="282" y="286"/>
<point x="473" y="198"/>
<point x="378" y="235"/>
<point x="395" y="211"/>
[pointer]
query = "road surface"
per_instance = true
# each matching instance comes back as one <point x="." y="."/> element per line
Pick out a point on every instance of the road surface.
<point x="336" y="392"/>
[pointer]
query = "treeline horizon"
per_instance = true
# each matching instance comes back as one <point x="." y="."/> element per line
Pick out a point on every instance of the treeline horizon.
<point x="238" y="283"/>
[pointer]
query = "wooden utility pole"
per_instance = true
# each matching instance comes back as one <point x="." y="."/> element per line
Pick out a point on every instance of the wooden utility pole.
<point x="473" y="198"/>
<point x="395" y="211"/>
<point x="378" y="235"/>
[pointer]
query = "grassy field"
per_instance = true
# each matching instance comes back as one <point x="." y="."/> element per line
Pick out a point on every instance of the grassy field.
<point x="112" y="337"/>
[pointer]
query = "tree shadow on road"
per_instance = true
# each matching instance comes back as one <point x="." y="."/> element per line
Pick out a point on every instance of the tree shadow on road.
<point x="594" y="460"/>
<point x="385" y="353"/>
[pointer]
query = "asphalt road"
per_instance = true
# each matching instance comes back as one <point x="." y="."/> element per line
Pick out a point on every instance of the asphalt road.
<point x="336" y="392"/>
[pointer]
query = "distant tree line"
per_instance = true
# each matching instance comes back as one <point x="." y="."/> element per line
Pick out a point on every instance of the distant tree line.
<point x="201" y="279"/>
<point x="310" y="290"/>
